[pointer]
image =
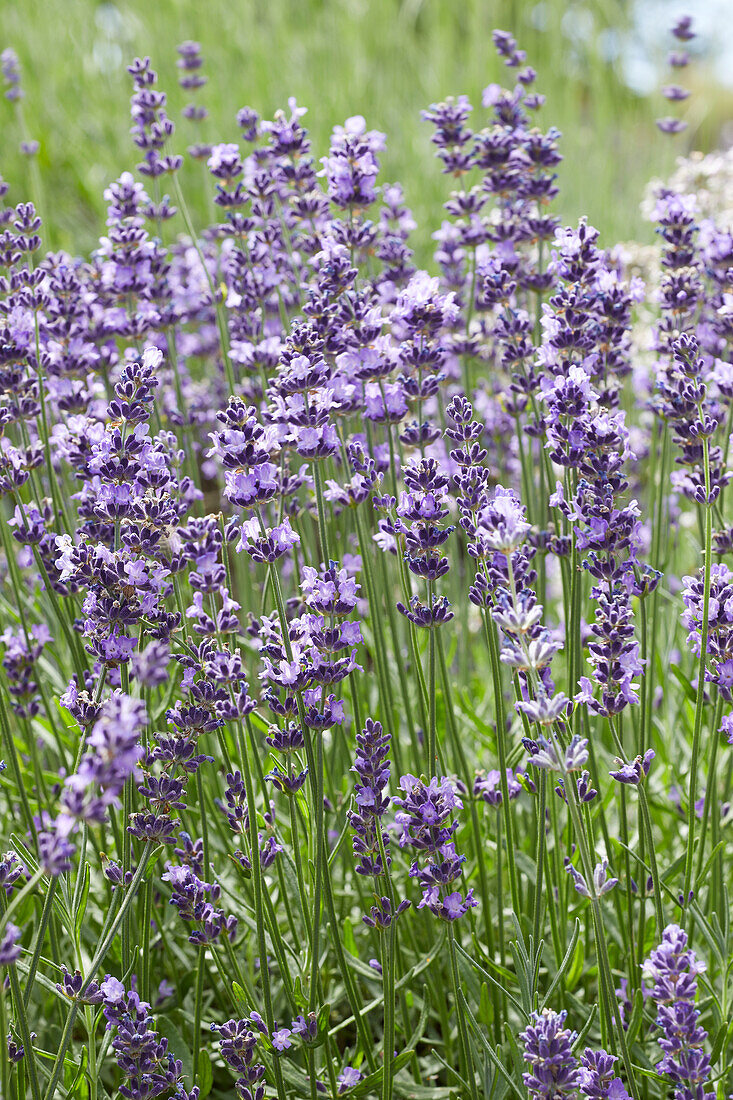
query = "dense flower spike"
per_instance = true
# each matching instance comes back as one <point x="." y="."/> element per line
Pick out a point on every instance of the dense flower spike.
<point x="548" y="1052"/>
<point x="426" y="824"/>
<point x="148" y="1067"/>
<point x="672" y="970"/>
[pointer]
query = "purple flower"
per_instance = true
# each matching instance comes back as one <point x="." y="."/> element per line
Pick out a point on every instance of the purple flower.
<point x="672" y="970"/>
<point x="635" y="771"/>
<point x="597" y="1079"/>
<point x="347" y="1079"/>
<point x="148" y="1067"/>
<point x="372" y="801"/>
<point x="281" y="1038"/>
<point x="9" y="947"/>
<point x="113" y="753"/>
<point x="548" y="1052"/>
<point x="238" y="1047"/>
<point x="427" y="825"/>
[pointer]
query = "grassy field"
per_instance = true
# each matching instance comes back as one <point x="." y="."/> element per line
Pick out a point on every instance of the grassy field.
<point x="384" y="58"/>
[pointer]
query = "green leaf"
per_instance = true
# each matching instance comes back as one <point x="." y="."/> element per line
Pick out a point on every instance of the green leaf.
<point x="417" y="1034"/>
<point x="178" y="1045"/>
<point x="568" y="958"/>
<point x="576" y="968"/>
<point x="484" y="1006"/>
<point x="239" y="997"/>
<point x="83" y="898"/>
<point x="77" y="1084"/>
<point x="586" y="1027"/>
<point x="503" y="988"/>
<point x="206" y="1075"/>
<point x="366" y="1087"/>
<point x="496" y="1061"/>
<point x="682" y="679"/>
<point x="349" y="938"/>
<point x="324" y="1014"/>
<point x="720" y="1043"/>
<point x="636" y="1016"/>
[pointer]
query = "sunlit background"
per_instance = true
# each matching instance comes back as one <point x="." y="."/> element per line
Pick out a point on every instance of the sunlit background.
<point x="600" y="65"/>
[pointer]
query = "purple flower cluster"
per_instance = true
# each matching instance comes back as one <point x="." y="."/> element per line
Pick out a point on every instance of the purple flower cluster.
<point x="371" y="840"/>
<point x="426" y="824"/>
<point x="671" y="972"/>
<point x="194" y="901"/>
<point x="148" y="1066"/>
<point x="548" y="1051"/>
<point x="554" y="1069"/>
<point x="719" y="640"/>
<point x="585" y="352"/>
<point x="238" y="1041"/>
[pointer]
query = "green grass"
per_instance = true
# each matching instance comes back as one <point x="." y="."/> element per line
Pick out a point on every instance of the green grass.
<point x="385" y="59"/>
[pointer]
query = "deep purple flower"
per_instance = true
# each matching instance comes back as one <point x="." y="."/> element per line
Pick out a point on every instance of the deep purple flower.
<point x="427" y="825"/>
<point x="635" y="771"/>
<point x="9" y="947"/>
<point x="553" y="1071"/>
<point x="672" y="970"/>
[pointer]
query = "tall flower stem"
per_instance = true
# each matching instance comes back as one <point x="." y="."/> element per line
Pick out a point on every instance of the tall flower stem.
<point x="387" y="938"/>
<point x="493" y="648"/>
<point x="466" y="775"/>
<point x="540" y="858"/>
<point x="215" y="297"/>
<point x="40" y="937"/>
<point x="322" y="872"/>
<point x="611" y="1012"/>
<point x="321" y="507"/>
<point x="711" y="794"/>
<point x="25" y="1032"/>
<point x="700" y="699"/>
<point x="432" y="700"/>
<point x="463" y="1042"/>
<point x="99" y="956"/>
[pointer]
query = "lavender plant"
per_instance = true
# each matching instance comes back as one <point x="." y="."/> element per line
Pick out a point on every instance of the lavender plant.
<point x="366" y="668"/>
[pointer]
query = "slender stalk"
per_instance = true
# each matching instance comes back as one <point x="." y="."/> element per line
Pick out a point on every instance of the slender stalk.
<point x="700" y="699"/>
<point x="463" y="1043"/>
<point x="99" y="955"/>
<point x="25" y="1032"/>
<point x="432" y="700"/>
<point x="40" y="937"/>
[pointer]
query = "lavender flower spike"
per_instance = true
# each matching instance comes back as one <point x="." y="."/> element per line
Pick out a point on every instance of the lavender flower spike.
<point x="672" y="970"/>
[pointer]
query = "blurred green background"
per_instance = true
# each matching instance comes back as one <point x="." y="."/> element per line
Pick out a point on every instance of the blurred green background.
<point x="385" y="59"/>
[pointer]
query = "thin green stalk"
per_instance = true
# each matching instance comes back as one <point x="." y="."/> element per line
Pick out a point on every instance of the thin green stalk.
<point x="463" y="1043"/>
<point x="4" y="1057"/>
<point x="25" y="1032"/>
<point x="322" y="872"/>
<point x="457" y="746"/>
<point x="99" y="956"/>
<point x="656" y="886"/>
<point x="196" y="1037"/>
<point x="610" y="1004"/>
<point x="321" y="507"/>
<point x="40" y="937"/>
<point x="711" y="793"/>
<point x="215" y="297"/>
<point x="501" y="731"/>
<point x="12" y="754"/>
<point x="700" y="699"/>
<point x="540" y="846"/>
<point x="432" y="700"/>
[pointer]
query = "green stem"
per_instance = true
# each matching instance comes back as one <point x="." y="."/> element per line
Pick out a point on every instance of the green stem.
<point x="465" y="1049"/>
<point x="700" y="700"/>
<point x="99" y="956"/>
